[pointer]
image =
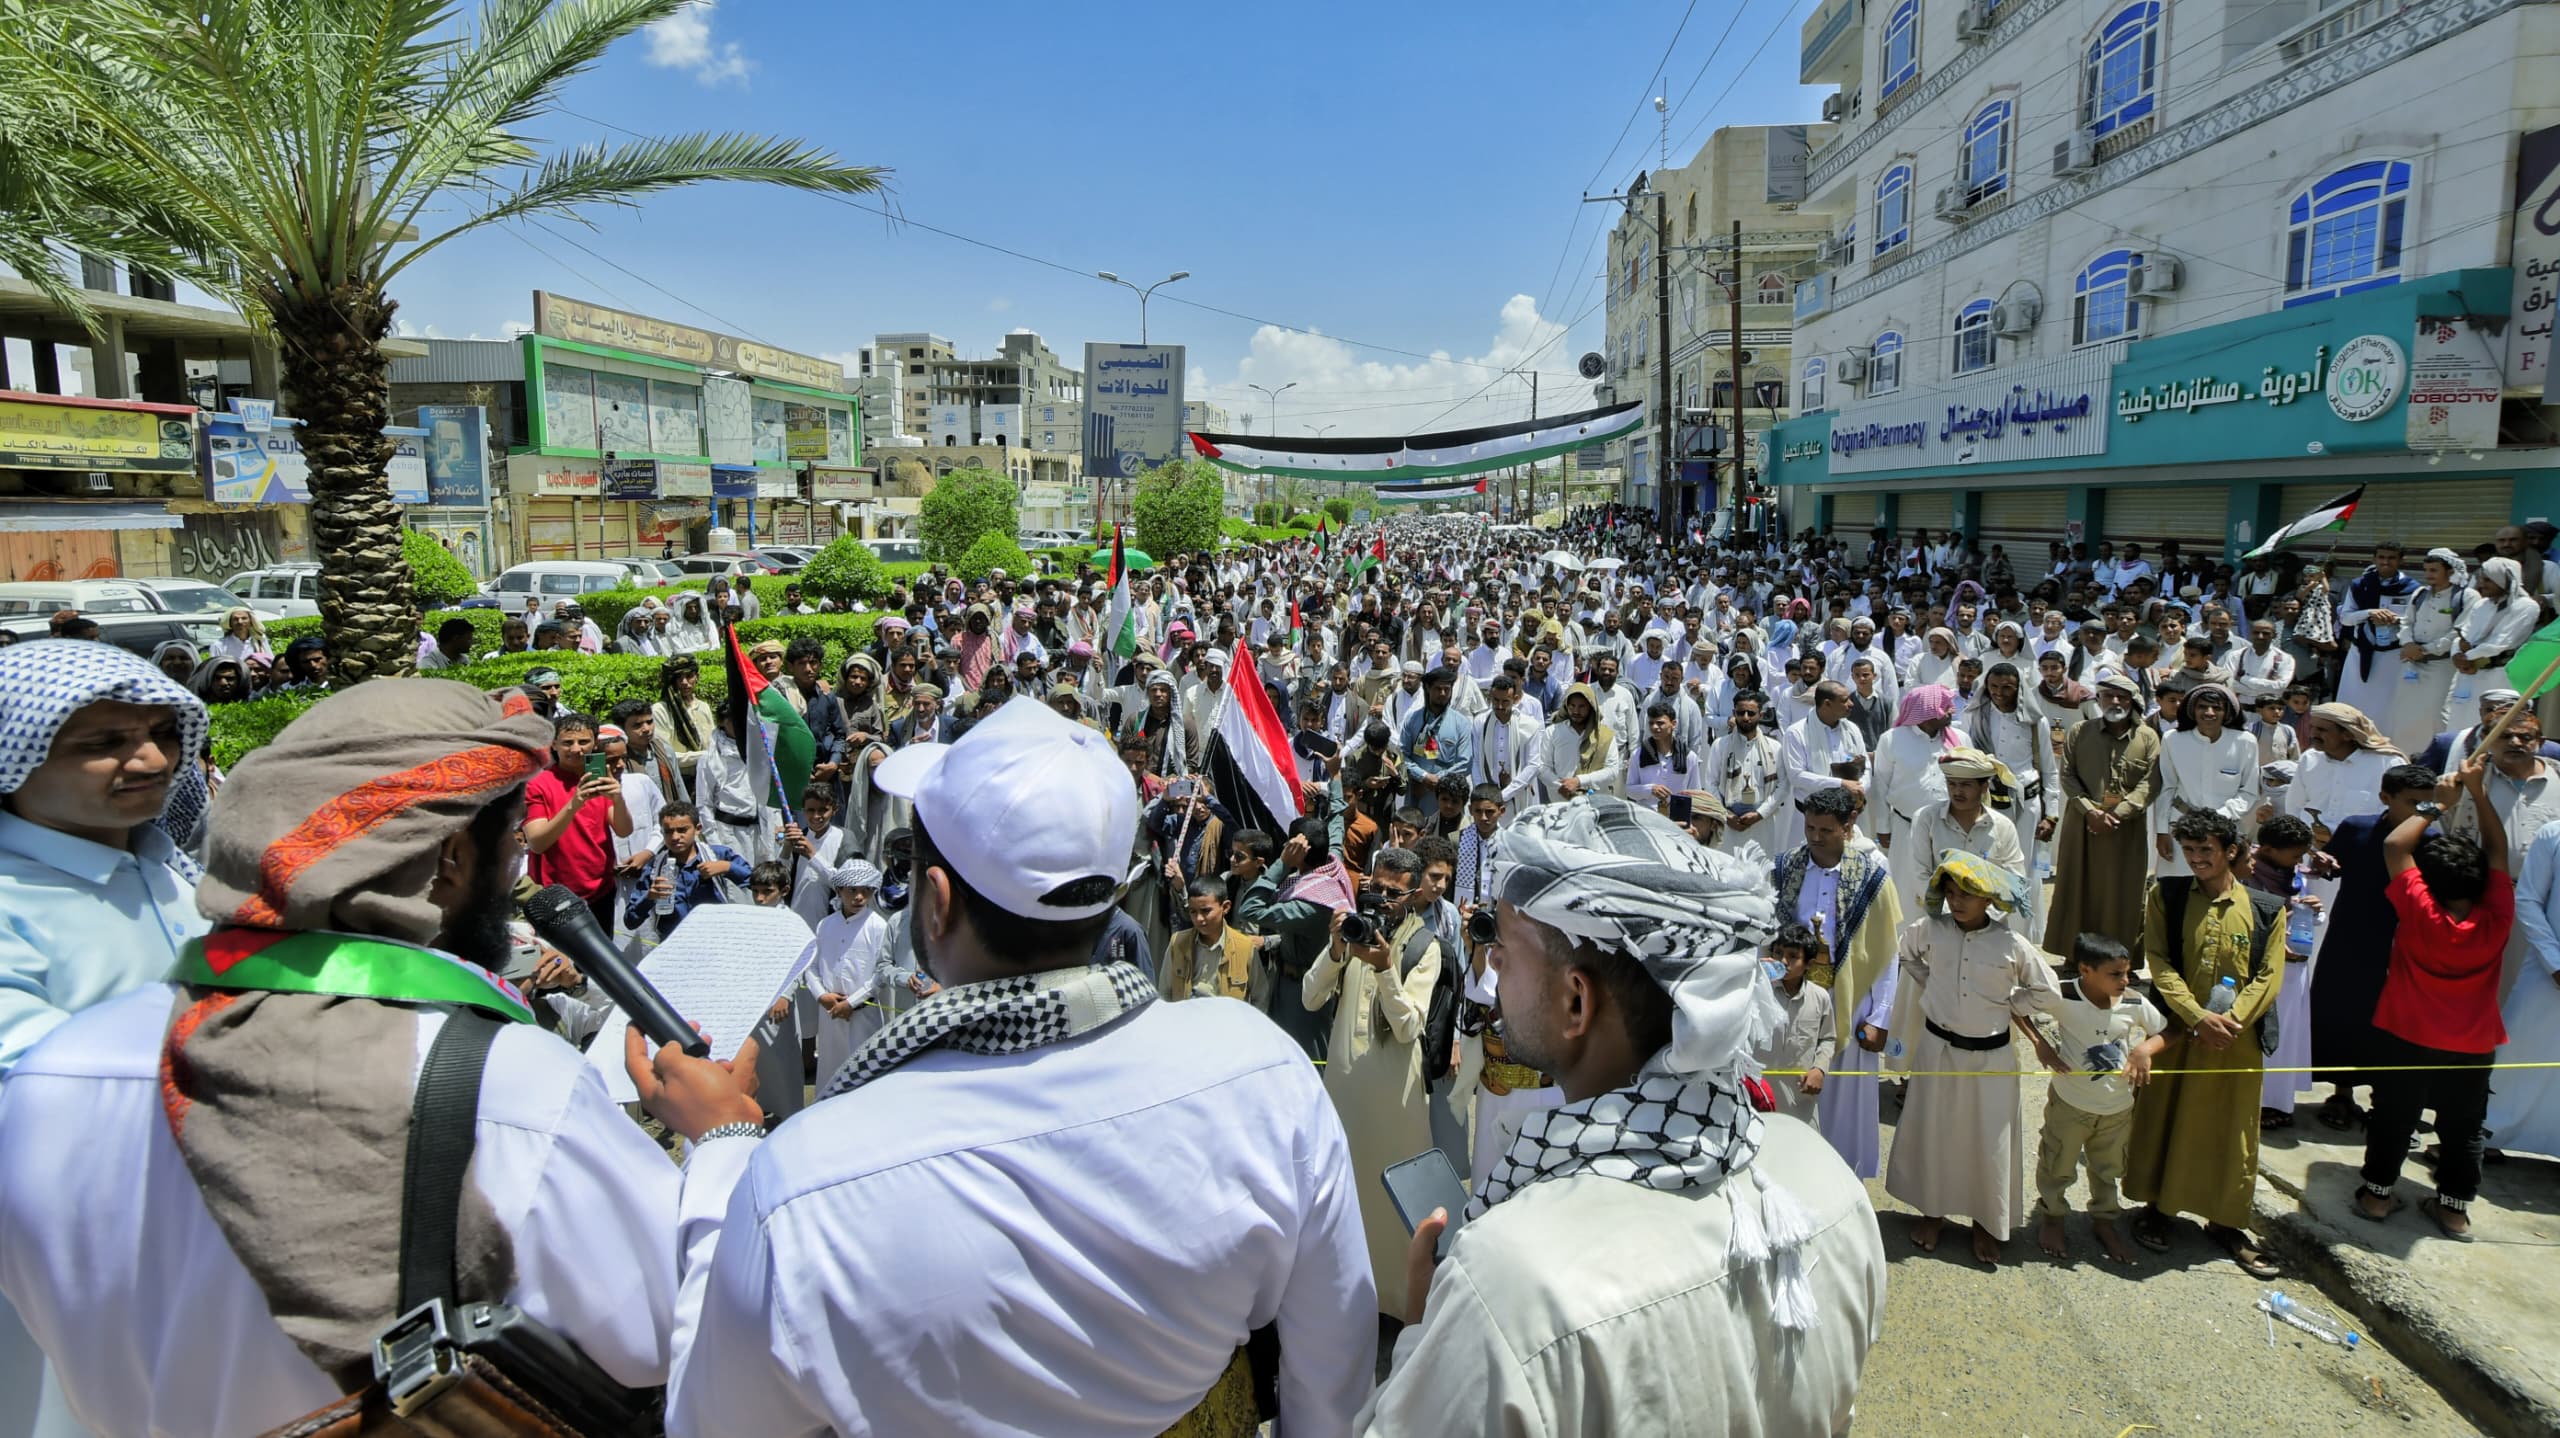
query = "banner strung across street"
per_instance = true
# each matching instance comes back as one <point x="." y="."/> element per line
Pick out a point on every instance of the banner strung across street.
<point x="1449" y="454"/>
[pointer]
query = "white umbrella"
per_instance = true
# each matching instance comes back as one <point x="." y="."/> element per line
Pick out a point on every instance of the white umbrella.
<point x="1606" y="564"/>
<point x="1561" y="559"/>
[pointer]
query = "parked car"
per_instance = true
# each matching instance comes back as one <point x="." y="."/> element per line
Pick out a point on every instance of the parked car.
<point x="189" y="596"/>
<point x="1049" y="539"/>
<point x="140" y="633"/>
<point x="557" y="579"/>
<point x="784" y="558"/>
<point x="653" y="573"/>
<point x="726" y="563"/>
<point x="89" y="596"/>
<point x="897" y="551"/>
<point x="290" y="591"/>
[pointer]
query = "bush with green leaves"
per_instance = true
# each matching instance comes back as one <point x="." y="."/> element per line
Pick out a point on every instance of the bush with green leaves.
<point x="963" y="507"/>
<point x="1178" y="506"/>
<point x="485" y="627"/>
<point x="1340" y="509"/>
<point x="435" y="576"/>
<point x="992" y="552"/>
<point x="844" y="571"/>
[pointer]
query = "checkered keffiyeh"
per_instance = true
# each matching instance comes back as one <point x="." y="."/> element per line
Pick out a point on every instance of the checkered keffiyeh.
<point x="44" y="683"/>
<point x="1618" y="875"/>
<point x="1002" y="1016"/>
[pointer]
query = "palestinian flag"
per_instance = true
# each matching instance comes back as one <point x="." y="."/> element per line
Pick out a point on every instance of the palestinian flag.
<point x="1401" y="459"/>
<point x="1295" y="628"/>
<point x="1376" y="556"/>
<point x="1429" y="491"/>
<point x="1324" y="543"/>
<point x="1119" y="621"/>
<point x="780" y="751"/>
<point x="2333" y="515"/>
<point x="1248" y="761"/>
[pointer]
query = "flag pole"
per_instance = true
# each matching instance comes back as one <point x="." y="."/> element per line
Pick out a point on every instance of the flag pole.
<point x="2523" y="703"/>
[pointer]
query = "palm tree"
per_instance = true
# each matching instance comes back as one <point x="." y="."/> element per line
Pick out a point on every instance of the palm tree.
<point x="284" y="155"/>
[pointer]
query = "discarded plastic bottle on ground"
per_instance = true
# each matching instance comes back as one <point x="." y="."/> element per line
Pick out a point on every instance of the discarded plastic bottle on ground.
<point x="2224" y="995"/>
<point x="2301" y="929"/>
<point x="2280" y="1306"/>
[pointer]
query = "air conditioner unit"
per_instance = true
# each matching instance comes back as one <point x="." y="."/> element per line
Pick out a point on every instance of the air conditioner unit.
<point x="1834" y="107"/>
<point x="2154" y="275"/>
<point x="1852" y="368"/>
<point x="2075" y="156"/>
<point x="1951" y="205"/>
<point x="1838" y="251"/>
<point x="2016" y="319"/>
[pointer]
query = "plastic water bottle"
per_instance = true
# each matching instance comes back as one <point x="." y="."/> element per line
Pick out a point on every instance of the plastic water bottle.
<point x="2044" y="865"/>
<point x="2224" y="995"/>
<point x="2301" y="929"/>
<point x="666" y="903"/>
<point x="2281" y="1307"/>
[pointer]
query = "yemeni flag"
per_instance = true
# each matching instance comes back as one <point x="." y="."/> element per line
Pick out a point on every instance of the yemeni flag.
<point x="1248" y="761"/>
<point x="1377" y="555"/>
<point x="1119" y="621"/>
<point x="2333" y="515"/>
<point x="780" y="751"/>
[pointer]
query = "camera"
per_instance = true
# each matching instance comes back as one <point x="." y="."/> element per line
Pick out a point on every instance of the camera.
<point x="1366" y="923"/>
<point x="1482" y="927"/>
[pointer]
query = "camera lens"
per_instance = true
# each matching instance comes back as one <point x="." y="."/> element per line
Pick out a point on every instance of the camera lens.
<point x="1482" y="927"/>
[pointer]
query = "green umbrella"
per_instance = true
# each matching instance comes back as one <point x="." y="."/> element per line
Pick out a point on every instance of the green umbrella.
<point x="2536" y="662"/>
<point x="1134" y="558"/>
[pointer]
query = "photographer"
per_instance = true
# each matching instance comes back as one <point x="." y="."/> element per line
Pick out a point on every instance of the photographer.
<point x="1381" y="965"/>
<point x="1023" y="1135"/>
<point x="1275" y="905"/>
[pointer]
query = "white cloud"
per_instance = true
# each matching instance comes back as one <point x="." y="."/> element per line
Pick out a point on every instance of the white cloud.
<point x="1357" y="396"/>
<point x="683" y="41"/>
<point x="850" y="361"/>
<point x="999" y="305"/>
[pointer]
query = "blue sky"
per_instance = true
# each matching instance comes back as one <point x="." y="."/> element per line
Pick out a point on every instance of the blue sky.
<point x="1404" y="175"/>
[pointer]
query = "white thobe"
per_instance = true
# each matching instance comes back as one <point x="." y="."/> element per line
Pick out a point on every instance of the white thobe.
<point x="1906" y="777"/>
<point x="110" y="1255"/>
<point x="2254" y="676"/>
<point x="1587" y="1305"/>
<point x="2418" y="704"/>
<point x="2326" y="790"/>
<point x="1749" y="773"/>
<point x="2524" y="1105"/>
<point x="2524" y="808"/>
<point x="1511" y="757"/>
<point x="1956" y="1146"/>
<point x="1933" y="831"/>
<point x="1811" y="748"/>
<point x="845" y="960"/>
<point x="2219" y="775"/>
<point x="1564" y="760"/>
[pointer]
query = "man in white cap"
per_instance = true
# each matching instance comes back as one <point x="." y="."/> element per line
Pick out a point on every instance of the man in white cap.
<point x="1046" y="1259"/>
<point x="1654" y="1255"/>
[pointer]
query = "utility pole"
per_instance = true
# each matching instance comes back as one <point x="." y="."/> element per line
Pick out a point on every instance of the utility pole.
<point x="1666" y="496"/>
<point x="1735" y="290"/>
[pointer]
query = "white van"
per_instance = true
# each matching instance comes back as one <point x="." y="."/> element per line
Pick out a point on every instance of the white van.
<point x="288" y="591"/>
<point x="897" y="551"/>
<point x="558" y="578"/>
<point x="88" y="596"/>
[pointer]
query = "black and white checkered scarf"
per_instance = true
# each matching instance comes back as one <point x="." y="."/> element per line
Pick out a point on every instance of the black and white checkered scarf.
<point x="1002" y="1016"/>
<point x="1621" y="876"/>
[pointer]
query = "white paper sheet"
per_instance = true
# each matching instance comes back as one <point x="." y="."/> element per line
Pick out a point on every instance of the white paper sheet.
<point x="722" y="968"/>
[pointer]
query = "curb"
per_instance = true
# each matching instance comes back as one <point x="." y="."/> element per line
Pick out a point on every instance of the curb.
<point x="2477" y="1379"/>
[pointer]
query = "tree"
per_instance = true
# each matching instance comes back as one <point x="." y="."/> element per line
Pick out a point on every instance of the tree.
<point x="967" y="504"/>
<point x="1340" y="509"/>
<point x="440" y="579"/>
<point x="1178" y="506"/>
<point x="844" y="571"/>
<point x="287" y="158"/>
<point x="990" y="553"/>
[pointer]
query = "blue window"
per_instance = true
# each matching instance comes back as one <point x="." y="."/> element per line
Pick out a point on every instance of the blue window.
<point x="2120" y="84"/>
<point x="2344" y="233"/>
<point x="1809" y="396"/>
<point x="1884" y="368"/>
<point x="1976" y="347"/>
<point x="1984" y="165"/>
<point x="2102" y="303"/>
<point x="1901" y="47"/>
<point x="1893" y="209"/>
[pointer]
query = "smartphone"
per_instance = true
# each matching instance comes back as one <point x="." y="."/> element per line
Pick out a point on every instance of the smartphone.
<point x="1682" y="806"/>
<point x="598" y="766"/>
<point x="1425" y="1182"/>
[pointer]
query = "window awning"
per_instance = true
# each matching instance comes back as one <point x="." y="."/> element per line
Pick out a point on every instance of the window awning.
<point x="54" y="518"/>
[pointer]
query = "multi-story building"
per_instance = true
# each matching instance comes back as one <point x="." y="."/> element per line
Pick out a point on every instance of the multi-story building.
<point x="1023" y="398"/>
<point x="1749" y="173"/>
<point x="902" y="366"/>
<point x="2169" y="269"/>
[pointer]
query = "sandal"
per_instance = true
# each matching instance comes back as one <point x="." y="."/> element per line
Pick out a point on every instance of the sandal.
<point x="2274" y="1118"/>
<point x="2252" y="1260"/>
<point x="2341" y="1116"/>
<point x="2151" y="1230"/>
<point x="2390" y="1206"/>
<point x="2445" y="1218"/>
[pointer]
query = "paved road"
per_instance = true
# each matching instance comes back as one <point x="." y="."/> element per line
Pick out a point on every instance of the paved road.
<point x="2053" y="1349"/>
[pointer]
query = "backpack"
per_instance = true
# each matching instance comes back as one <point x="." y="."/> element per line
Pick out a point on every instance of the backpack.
<point x="1440" y="1016"/>
<point x="2266" y="915"/>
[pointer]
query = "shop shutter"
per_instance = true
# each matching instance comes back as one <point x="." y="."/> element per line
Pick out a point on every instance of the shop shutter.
<point x="2457" y="514"/>
<point x="1853" y="515"/>
<point x="548" y="533"/>
<point x="2032" y="518"/>
<point x="1932" y="512"/>
<point x="2189" y="514"/>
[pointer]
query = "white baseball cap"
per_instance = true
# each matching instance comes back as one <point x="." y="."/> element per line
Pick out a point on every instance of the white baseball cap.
<point x="1025" y="805"/>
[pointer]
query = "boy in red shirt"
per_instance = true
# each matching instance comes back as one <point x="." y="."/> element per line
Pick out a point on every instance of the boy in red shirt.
<point x="2437" y="1022"/>
<point x="571" y="818"/>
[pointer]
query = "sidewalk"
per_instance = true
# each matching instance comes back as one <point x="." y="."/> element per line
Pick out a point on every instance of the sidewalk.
<point x="2478" y="1319"/>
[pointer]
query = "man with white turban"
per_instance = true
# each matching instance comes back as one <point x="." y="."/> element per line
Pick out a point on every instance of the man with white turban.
<point x="2424" y="668"/>
<point x="1650" y="1253"/>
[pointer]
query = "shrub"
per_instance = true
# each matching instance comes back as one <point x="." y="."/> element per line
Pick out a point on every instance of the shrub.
<point x="1177" y="507"/>
<point x="1265" y="512"/>
<point x="993" y="552"/>
<point x="435" y="576"/>
<point x="1340" y="509"/>
<point x="1305" y="522"/>
<point x="844" y="571"/>
<point x="484" y="627"/>
<point x="965" y="506"/>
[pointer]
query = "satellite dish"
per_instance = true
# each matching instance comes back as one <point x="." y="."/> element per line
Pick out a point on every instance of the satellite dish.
<point x="1593" y="365"/>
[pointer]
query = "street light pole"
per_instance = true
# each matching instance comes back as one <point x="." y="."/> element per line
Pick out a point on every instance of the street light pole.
<point x="1142" y="294"/>
<point x="1274" y="396"/>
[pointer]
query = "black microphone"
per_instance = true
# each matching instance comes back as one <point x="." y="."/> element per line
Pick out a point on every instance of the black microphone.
<point x="566" y="923"/>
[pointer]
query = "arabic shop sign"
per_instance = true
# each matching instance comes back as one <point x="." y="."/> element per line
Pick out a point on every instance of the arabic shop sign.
<point x="2536" y="257"/>
<point x="2320" y="379"/>
<point x="2054" y="411"/>
<point x="2356" y="392"/>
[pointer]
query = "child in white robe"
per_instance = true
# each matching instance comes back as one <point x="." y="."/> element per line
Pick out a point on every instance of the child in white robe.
<point x="844" y="969"/>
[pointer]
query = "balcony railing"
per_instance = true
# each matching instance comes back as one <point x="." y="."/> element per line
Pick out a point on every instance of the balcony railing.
<point x="2340" y="23"/>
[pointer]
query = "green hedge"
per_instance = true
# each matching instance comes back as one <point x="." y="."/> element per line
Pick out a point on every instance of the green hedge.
<point x="589" y="683"/>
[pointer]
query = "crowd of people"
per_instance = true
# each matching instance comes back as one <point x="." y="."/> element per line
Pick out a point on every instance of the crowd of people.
<point x="1639" y="878"/>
